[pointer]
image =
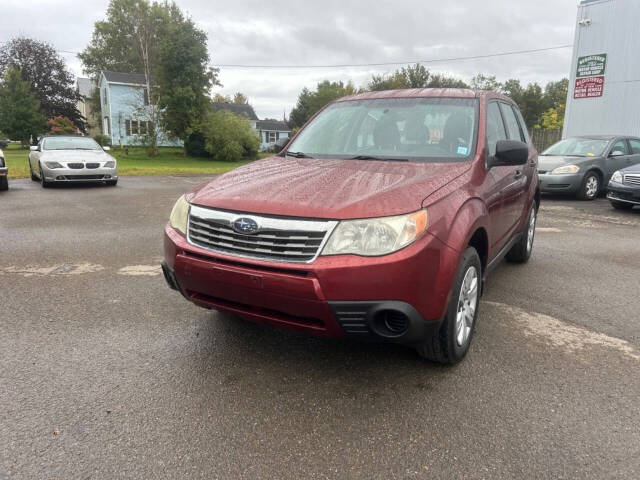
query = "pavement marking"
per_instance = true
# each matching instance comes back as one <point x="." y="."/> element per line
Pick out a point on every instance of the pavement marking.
<point x="563" y="335"/>
<point x="140" y="270"/>
<point x="64" y="269"/>
<point x="548" y="230"/>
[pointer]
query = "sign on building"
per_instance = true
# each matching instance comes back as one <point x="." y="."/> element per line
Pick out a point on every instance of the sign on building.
<point x="590" y="87"/>
<point x="591" y="65"/>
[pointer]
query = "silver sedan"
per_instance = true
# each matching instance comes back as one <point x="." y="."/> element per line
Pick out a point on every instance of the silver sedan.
<point x="62" y="159"/>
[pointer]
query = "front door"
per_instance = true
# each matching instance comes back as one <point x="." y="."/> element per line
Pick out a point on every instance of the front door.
<point x="619" y="158"/>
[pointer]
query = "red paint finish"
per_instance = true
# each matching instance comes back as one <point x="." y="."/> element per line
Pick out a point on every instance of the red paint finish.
<point x="461" y="198"/>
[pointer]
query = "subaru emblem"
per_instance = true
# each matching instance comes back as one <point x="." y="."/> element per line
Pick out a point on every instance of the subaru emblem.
<point x="247" y="226"/>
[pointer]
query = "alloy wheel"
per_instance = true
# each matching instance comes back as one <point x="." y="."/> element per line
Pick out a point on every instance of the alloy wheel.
<point x="467" y="304"/>
<point x="531" y="230"/>
<point x="591" y="187"/>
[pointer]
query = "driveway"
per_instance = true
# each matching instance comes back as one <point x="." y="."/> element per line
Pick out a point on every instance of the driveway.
<point x="106" y="373"/>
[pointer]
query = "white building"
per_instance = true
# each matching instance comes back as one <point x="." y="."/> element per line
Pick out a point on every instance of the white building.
<point x="604" y="86"/>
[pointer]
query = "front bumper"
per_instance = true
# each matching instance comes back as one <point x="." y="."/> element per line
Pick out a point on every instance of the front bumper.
<point x="80" y="174"/>
<point x="623" y="193"/>
<point x="398" y="298"/>
<point x="566" y="183"/>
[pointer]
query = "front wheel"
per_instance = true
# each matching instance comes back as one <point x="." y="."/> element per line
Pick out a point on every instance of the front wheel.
<point x="33" y="175"/>
<point x="521" y="251"/>
<point x="43" y="181"/>
<point x="4" y="183"/>
<point x="590" y="187"/>
<point x="451" y="343"/>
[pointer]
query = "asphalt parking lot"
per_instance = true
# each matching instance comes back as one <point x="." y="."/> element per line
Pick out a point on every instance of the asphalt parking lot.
<point x="106" y="373"/>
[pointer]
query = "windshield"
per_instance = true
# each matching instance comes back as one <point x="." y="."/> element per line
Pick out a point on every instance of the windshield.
<point x="70" y="143"/>
<point x="415" y="129"/>
<point x="578" y="147"/>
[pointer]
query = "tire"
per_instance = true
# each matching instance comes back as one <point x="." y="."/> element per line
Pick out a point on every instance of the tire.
<point x="111" y="183"/>
<point x="521" y="251"/>
<point x="43" y="181"/>
<point x="451" y="343"/>
<point x="33" y="175"/>
<point x="590" y="187"/>
<point x="621" y="205"/>
<point x="4" y="183"/>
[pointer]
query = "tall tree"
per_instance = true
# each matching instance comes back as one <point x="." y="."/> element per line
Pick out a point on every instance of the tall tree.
<point x="240" y="98"/>
<point x="486" y="82"/>
<point x="413" y="76"/>
<point x="157" y="40"/>
<point x="310" y="102"/>
<point x="20" y="113"/>
<point x="51" y="82"/>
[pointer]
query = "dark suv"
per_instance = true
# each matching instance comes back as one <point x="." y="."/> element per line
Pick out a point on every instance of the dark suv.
<point x="379" y="220"/>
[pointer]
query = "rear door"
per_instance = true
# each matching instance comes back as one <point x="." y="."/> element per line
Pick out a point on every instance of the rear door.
<point x="634" y="158"/>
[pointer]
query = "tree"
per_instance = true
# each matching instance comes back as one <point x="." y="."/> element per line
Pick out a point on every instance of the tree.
<point x="486" y="82"/>
<point x="310" y="102"/>
<point x="61" y="126"/>
<point x="229" y="137"/>
<point x="20" y="113"/>
<point x="240" y="98"/>
<point x="551" y="120"/>
<point x="219" y="98"/>
<point x="157" y="40"/>
<point x="46" y="72"/>
<point x="413" y="76"/>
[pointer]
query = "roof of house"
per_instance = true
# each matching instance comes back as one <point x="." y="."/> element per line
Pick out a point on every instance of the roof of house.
<point x="86" y="87"/>
<point x="237" y="109"/>
<point x="274" y="125"/>
<point x="123" y="77"/>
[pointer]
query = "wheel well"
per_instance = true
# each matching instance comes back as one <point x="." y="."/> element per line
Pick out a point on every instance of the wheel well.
<point x="480" y="241"/>
<point x="597" y="172"/>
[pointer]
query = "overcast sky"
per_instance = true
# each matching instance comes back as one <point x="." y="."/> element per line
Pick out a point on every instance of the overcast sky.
<point x="331" y="32"/>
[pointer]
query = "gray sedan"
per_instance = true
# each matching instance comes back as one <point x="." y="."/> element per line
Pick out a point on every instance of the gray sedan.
<point x="63" y="159"/>
<point x="582" y="166"/>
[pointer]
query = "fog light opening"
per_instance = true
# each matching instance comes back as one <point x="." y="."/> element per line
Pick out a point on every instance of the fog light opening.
<point x="391" y="323"/>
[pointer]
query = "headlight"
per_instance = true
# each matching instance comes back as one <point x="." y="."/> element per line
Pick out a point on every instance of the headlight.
<point x="110" y="164"/>
<point x="616" y="177"/>
<point x="179" y="214"/>
<point x="53" y="165"/>
<point x="565" y="169"/>
<point x="376" y="236"/>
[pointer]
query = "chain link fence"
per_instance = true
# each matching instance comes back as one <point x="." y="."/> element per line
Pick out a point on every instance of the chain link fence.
<point x="543" y="139"/>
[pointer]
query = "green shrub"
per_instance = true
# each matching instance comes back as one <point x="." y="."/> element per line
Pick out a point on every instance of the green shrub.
<point x="195" y="145"/>
<point x="229" y="137"/>
<point x="102" y="140"/>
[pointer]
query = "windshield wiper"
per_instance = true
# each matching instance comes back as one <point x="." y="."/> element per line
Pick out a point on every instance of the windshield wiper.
<point x="383" y="159"/>
<point x="297" y="154"/>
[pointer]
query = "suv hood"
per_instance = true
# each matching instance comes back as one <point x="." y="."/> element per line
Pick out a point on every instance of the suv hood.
<point x="320" y="188"/>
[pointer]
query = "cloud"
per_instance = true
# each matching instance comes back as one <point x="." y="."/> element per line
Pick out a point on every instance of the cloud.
<point x="335" y="32"/>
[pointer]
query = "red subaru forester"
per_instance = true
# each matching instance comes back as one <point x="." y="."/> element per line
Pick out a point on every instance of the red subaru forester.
<point x="379" y="221"/>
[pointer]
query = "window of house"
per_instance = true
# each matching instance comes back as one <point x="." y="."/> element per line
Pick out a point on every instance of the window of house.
<point x="106" y="128"/>
<point x="271" y="136"/>
<point x="137" y="127"/>
<point x="145" y="93"/>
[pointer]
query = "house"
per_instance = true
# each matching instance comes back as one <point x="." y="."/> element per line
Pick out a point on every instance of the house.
<point x="269" y="130"/>
<point x="125" y="110"/>
<point x="85" y="88"/>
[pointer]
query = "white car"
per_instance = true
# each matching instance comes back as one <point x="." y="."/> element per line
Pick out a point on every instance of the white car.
<point x="63" y="159"/>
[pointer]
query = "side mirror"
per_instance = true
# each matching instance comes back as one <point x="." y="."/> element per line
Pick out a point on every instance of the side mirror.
<point x="509" y="153"/>
<point x="280" y="144"/>
<point x="106" y="148"/>
<point x="33" y="148"/>
<point x="617" y="153"/>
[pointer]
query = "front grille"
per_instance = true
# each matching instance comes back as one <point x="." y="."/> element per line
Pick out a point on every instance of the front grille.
<point x="76" y="166"/>
<point x="631" y="179"/>
<point x="84" y="177"/>
<point x="92" y="165"/>
<point x="278" y="239"/>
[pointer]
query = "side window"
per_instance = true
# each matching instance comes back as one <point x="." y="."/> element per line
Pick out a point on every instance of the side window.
<point x="635" y="146"/>
<point x="511" y="122"/>
<point x="495" y="127"/>
<point x="620" y="146"/>
<point x="523" y="124"/>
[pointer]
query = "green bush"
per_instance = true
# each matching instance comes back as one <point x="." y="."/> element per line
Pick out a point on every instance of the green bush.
<point x="103" y="140"/>
<point x="195" y="145"/>
<point x="229" y="137"/>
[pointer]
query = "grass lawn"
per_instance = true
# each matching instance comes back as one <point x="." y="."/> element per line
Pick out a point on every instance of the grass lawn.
<point x="136" y="162"/>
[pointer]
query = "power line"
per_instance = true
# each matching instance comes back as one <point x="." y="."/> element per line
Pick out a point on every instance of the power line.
<point x="382" y="64"/>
